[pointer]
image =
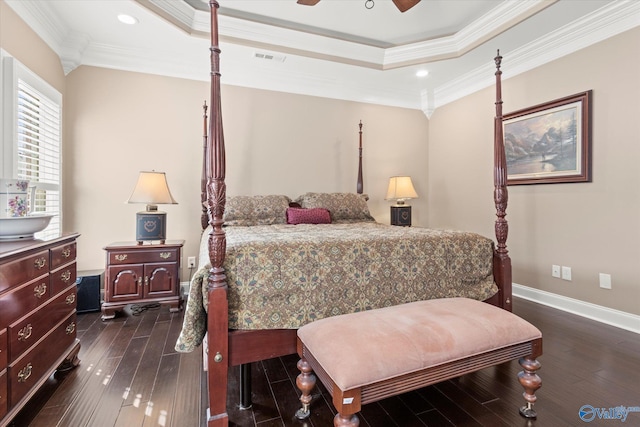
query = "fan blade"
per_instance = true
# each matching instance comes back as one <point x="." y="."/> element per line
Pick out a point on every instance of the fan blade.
<point x="308" y="2"/>
<point x="402" y="5"/>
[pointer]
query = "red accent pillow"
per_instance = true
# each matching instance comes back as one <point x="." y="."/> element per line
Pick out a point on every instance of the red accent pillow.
<point x="308" y="216"/>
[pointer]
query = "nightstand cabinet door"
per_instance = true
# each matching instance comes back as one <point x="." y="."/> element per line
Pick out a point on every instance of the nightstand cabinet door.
<point x="125" y="282"/>
<point x="160" y="279"/>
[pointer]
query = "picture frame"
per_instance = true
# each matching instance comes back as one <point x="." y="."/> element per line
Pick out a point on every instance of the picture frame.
<point x="549" y="143"/>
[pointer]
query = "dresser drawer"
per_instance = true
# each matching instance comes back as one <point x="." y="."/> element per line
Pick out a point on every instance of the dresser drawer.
<point x="27" y="331"/>
<point x="63" y="254"/>
<point x="143" y="256"/>
<point x="4" y="393"/>
<point x="18" y="302"/>
<point x="28" y="369"/>
<point x="62" y="278"/>
<point x="4" y="349"/>
<point x="17" y="272"/>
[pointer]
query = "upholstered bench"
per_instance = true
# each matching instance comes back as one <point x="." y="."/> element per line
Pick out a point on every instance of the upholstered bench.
<point x="371" y="355"/>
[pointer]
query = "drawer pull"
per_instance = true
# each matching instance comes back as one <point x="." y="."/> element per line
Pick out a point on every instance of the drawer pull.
<point x="146" y="280"/>
<point x="121" y="257"/>
<point x="25" y="373"/>
<point x="65" y="276"/>
<point x="25" y="333"/>
<point x="70" y="299"/>
<point x="70" y="328"/>
<point x="66" y="252"/>
<point x="165" y="255"/>
<point x="40" y="262"/>
<point x="40" y="290"/>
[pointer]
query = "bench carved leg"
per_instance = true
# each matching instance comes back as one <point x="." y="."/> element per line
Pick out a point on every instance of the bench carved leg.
<point x="305" y="381"/>
<point x="341" y="420"/>
<point x="531" y="382"/>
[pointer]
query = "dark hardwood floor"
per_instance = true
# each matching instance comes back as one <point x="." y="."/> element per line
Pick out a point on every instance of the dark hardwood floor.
<point x="131" y="376"/>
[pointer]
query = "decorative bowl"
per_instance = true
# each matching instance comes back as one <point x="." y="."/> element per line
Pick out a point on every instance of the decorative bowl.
<point x="23" y="227"/>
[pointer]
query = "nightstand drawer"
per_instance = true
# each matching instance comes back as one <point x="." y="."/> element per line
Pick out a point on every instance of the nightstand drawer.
<point x="143" y="255"/>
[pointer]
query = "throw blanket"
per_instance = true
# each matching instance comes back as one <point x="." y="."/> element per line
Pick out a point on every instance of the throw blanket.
<point x="285" y="276"/>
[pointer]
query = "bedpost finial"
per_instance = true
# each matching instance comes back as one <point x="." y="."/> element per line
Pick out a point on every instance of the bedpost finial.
<point x="360" y="124"/>
<point x="498" y="59"/>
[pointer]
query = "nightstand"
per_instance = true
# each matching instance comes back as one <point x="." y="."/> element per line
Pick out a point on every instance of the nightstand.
<point x="401" y="215"/>
<point x="141" y="274"/>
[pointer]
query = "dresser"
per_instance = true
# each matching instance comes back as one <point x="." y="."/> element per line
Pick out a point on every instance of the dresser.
<point x="142" y="274"/>
<point x="37" y="316"/>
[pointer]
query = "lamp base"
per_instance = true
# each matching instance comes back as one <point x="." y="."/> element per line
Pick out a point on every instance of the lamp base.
<point x="151" y="225"/>
<point x="401" y="215"/>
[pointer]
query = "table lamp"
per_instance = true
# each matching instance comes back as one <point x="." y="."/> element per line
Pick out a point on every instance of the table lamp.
<point x="401" y="189"/>
<point x="152" y="189"/>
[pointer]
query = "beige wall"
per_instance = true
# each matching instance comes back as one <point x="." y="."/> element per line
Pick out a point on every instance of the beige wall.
<point x="119" y="123"/>
<point x="591" y="227"/>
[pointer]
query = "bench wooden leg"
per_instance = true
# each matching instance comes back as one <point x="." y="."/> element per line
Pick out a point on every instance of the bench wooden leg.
<point x="305" y="381"/>
<point x="350" y="420"/>
<point x="531" y="382"/>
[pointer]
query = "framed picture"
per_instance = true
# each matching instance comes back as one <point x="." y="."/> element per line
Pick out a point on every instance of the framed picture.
<point x="549" y="143"/>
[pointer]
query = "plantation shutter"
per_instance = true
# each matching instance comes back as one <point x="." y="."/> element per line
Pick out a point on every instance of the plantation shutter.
<point x="38" y="146"/>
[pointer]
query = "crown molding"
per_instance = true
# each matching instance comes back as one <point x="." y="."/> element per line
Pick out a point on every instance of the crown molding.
<point x="42" y="19"/>
<point x="496" y="21"/>
<point x="78" y="49"/>
<point x="608" y="21"/>
<point x="250" y="33"/>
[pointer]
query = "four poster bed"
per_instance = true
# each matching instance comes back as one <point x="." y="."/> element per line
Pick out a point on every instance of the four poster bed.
<point x="263" y="277"/>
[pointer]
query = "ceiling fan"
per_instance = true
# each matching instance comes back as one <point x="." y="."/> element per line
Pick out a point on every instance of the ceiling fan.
<point x="402" y="5"/>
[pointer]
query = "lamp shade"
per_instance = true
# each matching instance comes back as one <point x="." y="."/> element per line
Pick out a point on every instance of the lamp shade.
<point x="400" y="189"/>
<point x="152" y="189"/>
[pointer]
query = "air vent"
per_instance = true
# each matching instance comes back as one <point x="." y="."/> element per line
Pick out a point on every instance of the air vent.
<point x="269" y="56"/>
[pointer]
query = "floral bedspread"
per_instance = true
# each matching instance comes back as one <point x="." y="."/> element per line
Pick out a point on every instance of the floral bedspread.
<point x="284" y="276"/>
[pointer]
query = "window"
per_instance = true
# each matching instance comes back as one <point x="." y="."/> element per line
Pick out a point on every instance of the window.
<point x="32" y="138"/>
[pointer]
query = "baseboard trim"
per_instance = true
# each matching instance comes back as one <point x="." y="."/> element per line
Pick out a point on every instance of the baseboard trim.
<point x="184" y="288"/>
<point x="617" y="318"/>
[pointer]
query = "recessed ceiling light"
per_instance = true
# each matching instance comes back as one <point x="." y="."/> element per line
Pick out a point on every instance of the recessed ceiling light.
<point x="127" y="19"/>
<point x="422" y="73"/>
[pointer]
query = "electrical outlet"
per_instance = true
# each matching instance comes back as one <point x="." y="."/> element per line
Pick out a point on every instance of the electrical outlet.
<point x="566" y="273"/>
<point x="605" y="281"/>
<point x="555" y="271"/>
<point x="191" y="262"/>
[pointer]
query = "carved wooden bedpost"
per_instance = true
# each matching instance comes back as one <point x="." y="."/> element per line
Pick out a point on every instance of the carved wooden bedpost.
<point x="359" y="185"/>
<point x="218" y="314"/>
<point x="501" y="260"/>
<point x="204" y="217"/>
